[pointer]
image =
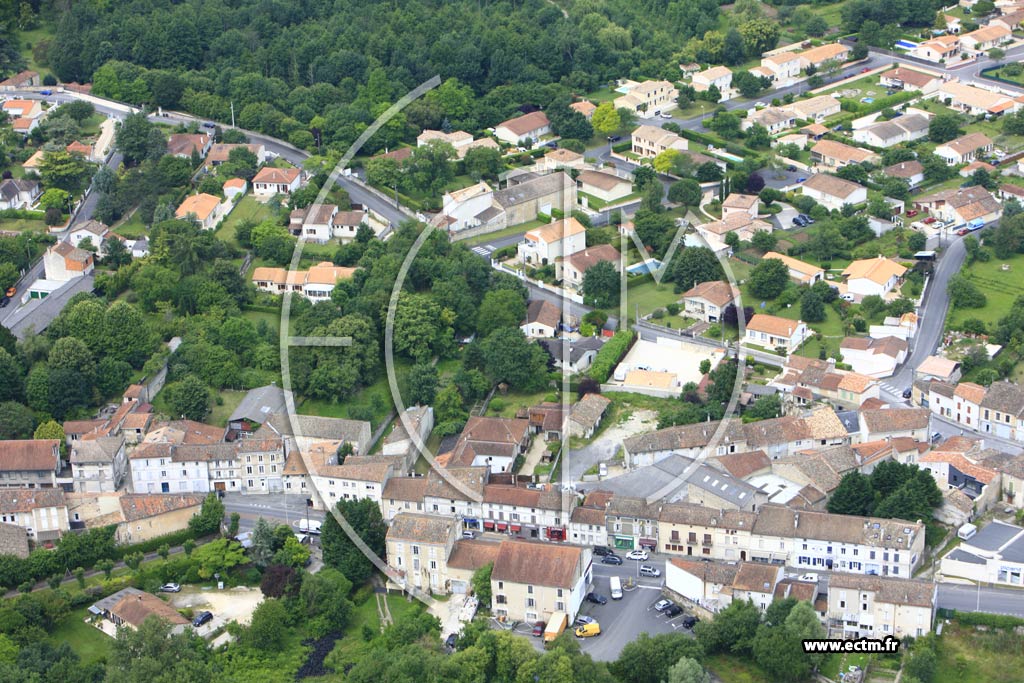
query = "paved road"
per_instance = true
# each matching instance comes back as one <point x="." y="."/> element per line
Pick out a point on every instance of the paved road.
<point x="277" y="508"/>
<point x="971" y="599"/>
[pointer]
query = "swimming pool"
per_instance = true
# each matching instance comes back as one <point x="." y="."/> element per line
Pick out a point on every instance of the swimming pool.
<point x="648" y="266"/>
<point x="906" y="44"/>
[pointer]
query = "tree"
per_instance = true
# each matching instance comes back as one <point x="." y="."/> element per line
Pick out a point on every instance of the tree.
<point x="965" y="294"/>
<point x="500" y="308"/>
<point x="483" y="162"/>
<point x="759" y="36"/>
<point x="944" y="127"/>
<point x="138" y="139"/>
<point x="694" y="265"/>
<point x="323" y="600"/>
<point x="780" y="654"/>
<point x="602" y="285"/>
<point x="768" y="278"/>
<point x="280" y="581"/>
<point x="16" y="421"/>
<point x="12" y="387"/>
<point x="481" y="582"/>
<point x="262" y="549"/>
<point x="764" y="408"/>
<point x="50" y="430"/>
<point x="649" y="658"/>
<point x="340" y="552"/>
<point x="188" y="398"/>
<point x="732" y="630"/>
<point x="153" y="653"/>
<point x="705" y="366"/>
<point x="688" y="670"/>
<point x="708" y="172"/>
<point x="686" y="192"/>
<point x="812" y="307"/>
<point x="758" y="137"/>
<point x="764" y="240"/>
<point x="510" y="357"/>
<point x="268" y="626"/>
<point x="422" y="384"/>
<point x="218" y="556"/>
<point x="726" y="124"/>
<point x="605" y="119"/>
<point x="64" y="170"/>
<point x="292" y="553"/>
<point x="210" y="516"/>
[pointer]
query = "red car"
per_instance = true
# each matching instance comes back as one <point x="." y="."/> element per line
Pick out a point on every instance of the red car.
<point x="865" y="69"/>
<point x="929" y="220"/>
<point x="538" y="629"/>
<point x="912" y="213"/>
<point x="962" y="231"/>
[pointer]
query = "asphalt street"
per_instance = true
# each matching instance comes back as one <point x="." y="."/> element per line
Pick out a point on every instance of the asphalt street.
<point x="277" y="508"/>
<point x="972" y="599"/>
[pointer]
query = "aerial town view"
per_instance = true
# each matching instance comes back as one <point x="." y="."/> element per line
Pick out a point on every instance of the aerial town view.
<point x="484" y="341"/>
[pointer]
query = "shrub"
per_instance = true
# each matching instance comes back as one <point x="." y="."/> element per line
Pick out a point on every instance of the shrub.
<point x="610" y="355"/>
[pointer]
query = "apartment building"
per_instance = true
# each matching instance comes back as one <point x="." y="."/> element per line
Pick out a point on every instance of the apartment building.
<point x="539" y="512"/>
<point x="705" y="533"/>
<point x="532" y="580"/>
<point x="41" y="513"/>
<point x="98" y="465"/>
<point x="876" y="607"/>
<point x="31" y="463"/>
<point x="418" y="546"/>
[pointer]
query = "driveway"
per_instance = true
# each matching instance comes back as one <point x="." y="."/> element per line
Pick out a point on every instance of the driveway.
<point x="784" y="219"/>
<point x="231" y="604"/>
<point x="603" y="448"/>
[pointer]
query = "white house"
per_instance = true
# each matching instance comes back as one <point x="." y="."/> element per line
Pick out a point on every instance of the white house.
<point x="547" y="243"/>
<point x="773" y="332"/>
<point x="873" y="276"/>
<point x="63" y="262"/>
<point x="606" y="187"/>
<point x="773" y="119"/>
<point x="717" y="76"/>
<point x="270" y="181"/>
<point x="873" y="357"/>
<point x="941" y="49"/>
<point x="205" y="209"/>
<point x="889" y="133"/>
<point x="911" y="171"/>
<point x="802" y="272"/>
<point x="16" y="193"/>
<point x="986" y="38"/>
<point x="707" y="300"/>
<point x="97" y="233"/>
<point x="41" y="512"/>
<point x="542" y="319"/>
<point x="965" y="148"/>
<point x="650" y="141"/>
<point x="832" y="192"/>
<point x="878" y="607"/>
<point x="740" y="204"/>
<point x="784" y="67"/>
<point x="529" y="127"/>
<point x="648" y="98"/>
<point x="465" y="208"/>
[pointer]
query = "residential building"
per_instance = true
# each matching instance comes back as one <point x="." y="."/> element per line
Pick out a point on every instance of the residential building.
<point x="707" y="533"/>
<point x="63" y="262"/>
<point x="1011" y="21"/>
<point x="836" y="155"/>
<point x="98" y="465"/>
<point x="23" y="109"/>
<point x="823" y="55"/>
<point x="802" y="272"/>
<point x="740" y="204"/>
<point x="30" y="463"/>
<point x="606" y="187"/>
<point x="961" y="205"/>
<point x="315" y="284"/>
<point x="418" y="546"/>
<point x="531" y="580"/>
<point x="13" y="541"/>
<point x="528" y="127"/>
<point x="975" y="101"/>
<point x="492" y="442"/>
<point x="586" y="415"/>
<point x="994" y="555"/>
<point x="784" y="67"/>
<point x="911" y="171"/>
<point x="467" y="207"/>
<point x="16" y="193"/>
<point x="92" y="230"/>
<point x="130" y="607"/>
<point x="219" y="152"/>
<point x="204" y="208"/>
<point x="832" y="192"/>
<point x="741" y="224"/>
<point x="965" y="148"/>
<point x="183" y="145"/>
<point x="717" y="76"/>
<point x="587" y="523"/>
<point x="815" y="109"/>
<point x="773" y="332"/>
<point x="892" y="423"/>
<point x="584" y="107"/>
<point x="582" y="352"/>
<point x="874" y="357"/>
<point x="576" y="265"/>
<point x="42" y="514"/>
<point x="648" y="98"/>
<point x="20" y="80"/>
<point x="411" y="431"/>
<point x="234" y="188"/>
<point x="303" y="431"/>
<point x="543" y="245"/>
<point x="560" y="159"/>
<point x="528" y="196"/>
<point x="958" y="464"/>
<point x="707" y="300"/>
<point x="877" y="607"/>
<point x="877" y="276"/>
<point x="986" y="38"/>
<point x="543" y="319"/>
<point x="902" y="78"/>
<point x="632" y="523"/>
<point x="714" y="585"/>
<point x="270" y="180"/>
<point x="1002" y="410"/>
<point x="541" y="512"/>
<point x="650" y="141"/>
<point x="457" y="138"/>
<point x="941" y="49"/>
<point x="906" y="128"/>
<point x="143" y="517"/>
<point x="773" y="119"/>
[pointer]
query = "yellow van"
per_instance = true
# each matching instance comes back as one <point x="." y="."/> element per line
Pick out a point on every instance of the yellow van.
<point x="588" y="630"/>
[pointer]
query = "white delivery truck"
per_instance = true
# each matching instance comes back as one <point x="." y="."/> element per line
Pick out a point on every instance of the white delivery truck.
<point x="616" y="588"/>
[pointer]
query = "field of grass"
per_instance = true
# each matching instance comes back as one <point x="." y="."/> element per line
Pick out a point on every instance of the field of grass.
<point x="512" y="230"/>
<point x="735" y="670"/>
<point x="969" y="656"/>
<point x="375" y="397"/>
<point x="247" y="208"/>
<point x="28" y="40"/>
<point x="648" y="295"/>
<point x="1001" y="287"/>
<point x="599" y="204"/>
<point x="513" y="401"/>
<point x="91" y="644"/>
<point x="23" y="225"/>
<point x="132" y="227"/>
<point x="998" y="73"/>
<point x="220" y="413"/>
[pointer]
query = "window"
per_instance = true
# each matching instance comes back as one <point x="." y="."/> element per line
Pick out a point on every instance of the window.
<point x="530" y="602"/>
<point x="529" y="589"/>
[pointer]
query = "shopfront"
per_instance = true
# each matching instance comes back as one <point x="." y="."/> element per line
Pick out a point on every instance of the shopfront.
<point x="624" y="542"/>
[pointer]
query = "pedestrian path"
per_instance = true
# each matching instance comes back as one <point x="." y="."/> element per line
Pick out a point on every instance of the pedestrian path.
<point x="483" y="250"/>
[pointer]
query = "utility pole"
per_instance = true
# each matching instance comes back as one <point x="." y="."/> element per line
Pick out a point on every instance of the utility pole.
<point x="232" y="114"/>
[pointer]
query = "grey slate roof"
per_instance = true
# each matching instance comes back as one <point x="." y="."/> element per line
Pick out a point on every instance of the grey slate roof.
<point x="260" y="403"/>
<point x="994" y="536"/>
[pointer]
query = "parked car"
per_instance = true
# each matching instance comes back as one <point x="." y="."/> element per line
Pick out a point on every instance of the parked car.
<point x="672" y="611"/>
<point x="791" y="169"/>
<point x="615" y="138"/>
<point x="11" y="292"/>
<point x="799" y="222"/>
<point x="648" y="570"/>
<point x="808" y="219"/>
<point x="849" y="298"/>
<point x="611" y="559"/>
<point x="690" y="622"/>
<point x="170" y="588"/>
<point x="597" y="599"/>
<point x="209" y="124"/>
<point x="936" y="436"/>
<point x="665" y="115"/>
<point x="930" y="220"/>
<point x="588" y="630"/>
<point x="4" y="301"/>
<point x="583" y="620"/>
<point x="962" y="231"/>
<point x="801" y="179"/>
<point x="637" y="555"/>
<point x="602" y="550"/>
<point x="865" y="69"/>
<point x="538" y="629"/>
<point x="468" y="534"/>
<point x="202" y="618"/>
<point x="449" y="642"/>
<point x="912" y="213"/>
<point x="45" y="93"/>
<point x="552" y="144"/>
<point x="908" y="392"/>
<point x="662" y="605"/>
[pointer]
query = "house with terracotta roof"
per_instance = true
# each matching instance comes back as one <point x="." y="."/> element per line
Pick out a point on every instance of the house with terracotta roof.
<point x="130" y="607"/>
<point x="893" y="423"/>
<point x="607" y="187"/>
<point x="740" y="204"/>
<point x="532" y="580"/>
<point x="959" y="463"/>
<point x="744" y="227"/>
<point x="717" y="76"/>
<point x="815" y="109"/>
<point x="902" y="78"/>
<point x="492" y="442"/>
<point x="30" y="463"/>
<point x="783" y="67"/>
<point x="647" y="99"/>
<point x="986" y="38"/>
<point x="63" y="262"/>
<point x="824" y="54"/>
<point x="220" y="152"/>
<point x="715" y="585"/>
<point x="1002" y="410"/>
<point x="961" y="205"/>
<point x="974" y="100"/>
<point x="560" y="158"/>
<point x="965" y="148"/>
<point x="542" y="321"/>
<point x="23" y="109"/>
<point x="528" y="128"/>
<point x="270" y="180"/>
<point x="204" y="209"/>
<point x="467" y="207"/>
<point x="773" y="119"/>
<point x="147" y="516"/>
<point x="576" y="265"/>
<point x="773" y="332"/>
<point x="873" y="357"/>
<point x="802" y="272"/>
<point x="836" y="155"/>
<point x="941" y="49"/>
<point x="938" y="368"/>
<point x="315" y="284"/>
<point x="877" y="276"/>
<point x="805" y="379"/>
<point x="911" y="171"/>
<point x="707" y="300"/>
<point x="541" y="512"/>
<point x="234" y="188"/>
<point x="41" y="513"/>
<point x="22" y="79"/>
<point x="1011" y="21"/>
<point x="586" y="415"/>
<point x="832" y="192"/>
<point x="183" y="145"/>
<point x="587" y="522"/>
<point x="584" y="107"/>
<point x="650" y="141"/>
<point x="879" y="607"/>
<point x="548" y="243"/>
<point x="418" y="547"/>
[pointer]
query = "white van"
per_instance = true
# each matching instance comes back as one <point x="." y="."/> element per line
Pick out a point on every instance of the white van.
<point x="616" y="588"/>
<point x="311" y="527"/>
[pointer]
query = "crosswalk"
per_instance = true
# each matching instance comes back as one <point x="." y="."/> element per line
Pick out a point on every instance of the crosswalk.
<point x="484" y="250"/>
<point x="894" y="390"/>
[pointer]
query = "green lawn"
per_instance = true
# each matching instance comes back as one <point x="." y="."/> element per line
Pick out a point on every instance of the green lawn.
<point x="91" y="126"/>
<point x="836" y="663"/>
<point x="1001" y="287"/>
<point x="599" y="204"/>
<point x="998" y="73"/>
<point x="132" y="228"/>
<point x="735" y="670"/>
<point x="649" y="295"/>
<point x="247" y="208"/>
<point x="23" y="225"/>
<point x="970" y="656"/>
<point x="30" y="38"/>
<point x="256" y="316"/>
<point x="512" y="230"/>
<point x="91" y="644"/>
<point x="220" y="413"/>
<point x="512" y="401"/>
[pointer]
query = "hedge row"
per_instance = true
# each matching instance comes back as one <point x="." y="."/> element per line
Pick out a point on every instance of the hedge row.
<point x="23" y="214"/>
<point x="991" y="620"/>
<point x="610" y="355"/>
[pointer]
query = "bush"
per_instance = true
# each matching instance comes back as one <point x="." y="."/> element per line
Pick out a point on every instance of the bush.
<point x="610" y="355"/>
<point x="991" y="620"/>
<point x="497" y="405"/>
